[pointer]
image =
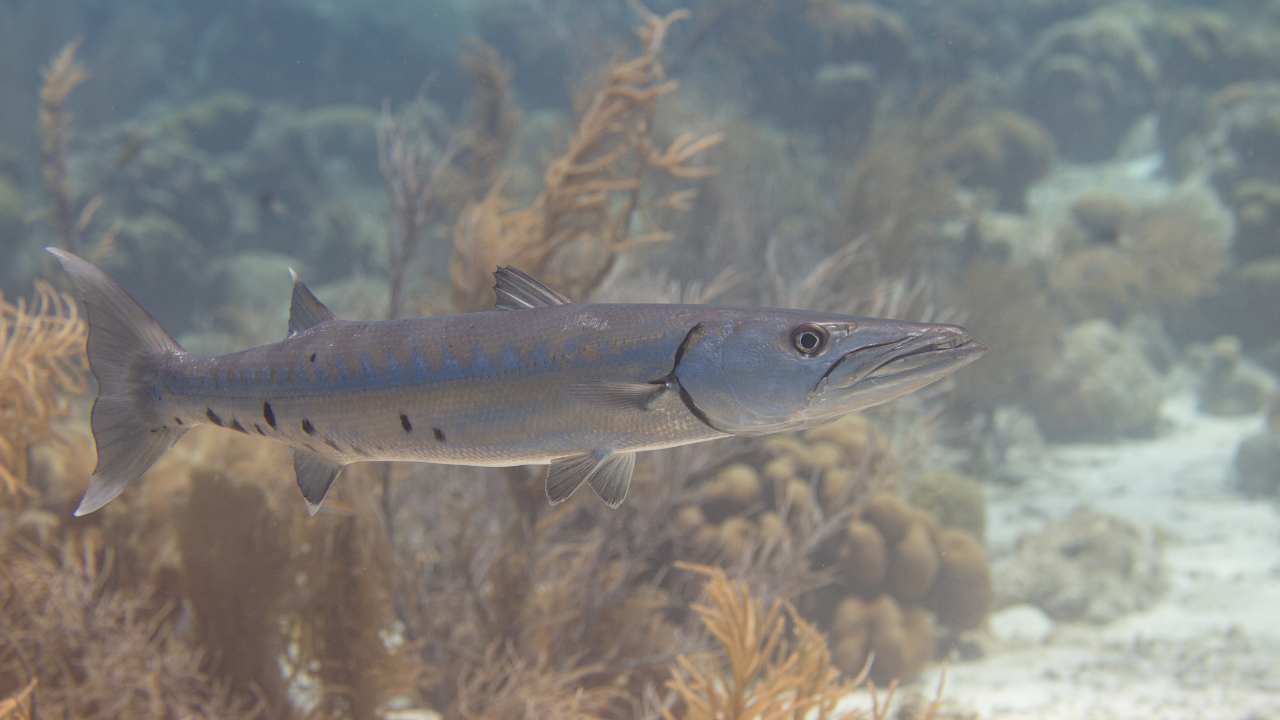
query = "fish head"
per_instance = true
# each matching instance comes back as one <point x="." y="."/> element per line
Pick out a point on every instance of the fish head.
<point x="760" y="372"/>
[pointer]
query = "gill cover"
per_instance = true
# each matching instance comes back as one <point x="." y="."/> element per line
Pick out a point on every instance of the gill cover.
<point x="742" y="375"/>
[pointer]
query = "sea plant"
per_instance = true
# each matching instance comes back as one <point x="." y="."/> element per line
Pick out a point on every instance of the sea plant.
<point x="42" y="364"/>
<point x="593" y="194"/>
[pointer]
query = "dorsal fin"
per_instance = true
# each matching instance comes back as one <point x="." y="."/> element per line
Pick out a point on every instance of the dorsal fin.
<point x="305" y="311"/>
<point x="517" y="291"/>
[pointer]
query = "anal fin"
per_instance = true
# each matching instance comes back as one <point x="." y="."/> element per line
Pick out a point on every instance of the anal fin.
<point x="608" y="473"/>
<point x="315" y="475"/>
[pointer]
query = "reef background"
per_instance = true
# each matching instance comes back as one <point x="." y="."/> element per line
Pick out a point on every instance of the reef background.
<point x="1091" y="187"/>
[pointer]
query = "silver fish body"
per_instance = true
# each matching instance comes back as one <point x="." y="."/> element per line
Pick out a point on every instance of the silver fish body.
<point x="493" y="388"/>
<point x="542" y="380"/>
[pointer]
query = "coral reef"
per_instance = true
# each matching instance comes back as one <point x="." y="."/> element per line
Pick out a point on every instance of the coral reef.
<point x="19" y="706"/>
<point x="1101" y="281"/>
<point x="1183" y="245"/>
<point x="585" y="215"/>
<point x="1088" y="80"/>
<point x="1158" y="259"/>
<point x="1102" y="387"/>
<point x="1088" y="566"/>
<point x="768" y="674"/>
<point x="1233" y="310"/>
<point x="1229" y="384"/>
<point x="862" y="32"/>
<point x="41" y="362"/>
<point x="97" y="652"/>
<point x="888" y="159"/>
<point x="956" y="501"/>
<point x="844" y="101"/>
<point x="1257" y="460"/>
<point x="898" y="643"/>
<point x="820" y="510"/>
<point x="787" y="480"/>
<point x="12" y="209"/>
<point x="1006" y="446"/>
<point x="1256" y="205"/>
<point x="898" y="192"/>
<point x="220" y="123"/>
<point x="907" y="575"/>
<point x="60" y="78"/>
<point x="1257" y="465"/>
<point x="1101" y="215"/>
<point x="1007" y="308"/>
<point x="1005" y="152"/>
<point x="1239" y="150"/>
<point x="1202" y="47"/>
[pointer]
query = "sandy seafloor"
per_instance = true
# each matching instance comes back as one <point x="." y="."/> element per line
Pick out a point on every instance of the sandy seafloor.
<point x="1208" y="648"/>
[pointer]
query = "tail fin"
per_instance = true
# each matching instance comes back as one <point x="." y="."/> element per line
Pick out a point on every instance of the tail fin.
<point x="125" y="347"/>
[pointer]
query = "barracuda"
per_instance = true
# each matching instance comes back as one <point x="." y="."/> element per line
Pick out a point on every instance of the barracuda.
<point x="540" y="380"/>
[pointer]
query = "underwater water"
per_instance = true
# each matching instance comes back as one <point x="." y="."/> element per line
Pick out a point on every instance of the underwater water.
<point x="1082" y="523"/>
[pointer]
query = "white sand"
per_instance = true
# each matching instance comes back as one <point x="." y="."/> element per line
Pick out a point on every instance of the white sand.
<point x="1209" y="648"/>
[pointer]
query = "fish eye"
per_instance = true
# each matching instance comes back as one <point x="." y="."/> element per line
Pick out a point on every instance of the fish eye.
<point x="809" y="339"/>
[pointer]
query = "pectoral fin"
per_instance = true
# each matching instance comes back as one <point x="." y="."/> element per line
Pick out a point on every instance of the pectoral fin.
<point x="608" y="473"/>
<point x="639" y="396"/>
<point x="315" y="475"/>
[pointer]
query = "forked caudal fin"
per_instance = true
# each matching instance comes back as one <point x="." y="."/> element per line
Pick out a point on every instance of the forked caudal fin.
<point x="125" y="347"/>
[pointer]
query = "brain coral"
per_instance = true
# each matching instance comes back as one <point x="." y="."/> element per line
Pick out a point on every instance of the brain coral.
<point x="1102" y="387"/>
<point x="1088" y="566"/>
<point x="893" y="577"/>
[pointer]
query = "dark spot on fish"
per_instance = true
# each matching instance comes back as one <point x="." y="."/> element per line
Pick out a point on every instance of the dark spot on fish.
<point x="309" y="447"/>
<point x="313" y="357"/>
<point x="213" y="417"/>
<point x="359" y="451"/>
<point x="269" y="415"/>
<point x="438" y="433"/>
<point x="258" y="427"/>
<point x="158" y="429"/>
<point x="235" y="425"/>
<point x="177" y="420"/>
<point x="404" y="423"/>
<point x="307" y="427"/>
<point x="332" y="444"/>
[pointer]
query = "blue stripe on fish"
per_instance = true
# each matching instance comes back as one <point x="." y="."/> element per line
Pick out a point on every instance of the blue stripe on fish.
<point x="510" y="360"/>
<point x="449" y="365"/>
<point x="421" y="372"/>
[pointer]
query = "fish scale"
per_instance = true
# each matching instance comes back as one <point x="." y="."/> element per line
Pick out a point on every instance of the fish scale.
<point x="495" y="406"/>
<point x="541" y="380"/>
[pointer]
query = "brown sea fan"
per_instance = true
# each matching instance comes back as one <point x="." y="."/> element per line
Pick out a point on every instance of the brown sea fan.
<point x="768" y="675"/>
<point x="97" y="652"/>
<point x="572" y="233"/>
<point x="42" y="362"/>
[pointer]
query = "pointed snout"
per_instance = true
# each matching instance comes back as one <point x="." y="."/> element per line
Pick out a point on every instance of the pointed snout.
<point x="951" y="337"/>
<point x="932" y="350"/>
<point x="888" y="359"/>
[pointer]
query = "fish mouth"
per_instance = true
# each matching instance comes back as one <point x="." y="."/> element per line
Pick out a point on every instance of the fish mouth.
<point x="887" y="370"/>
